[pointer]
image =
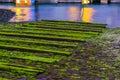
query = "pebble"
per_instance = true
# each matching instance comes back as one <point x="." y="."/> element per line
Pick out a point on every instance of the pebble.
<point x="116" y="45"/>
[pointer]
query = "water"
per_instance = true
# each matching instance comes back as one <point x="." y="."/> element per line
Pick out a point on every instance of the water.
<point x="108" y="14"/>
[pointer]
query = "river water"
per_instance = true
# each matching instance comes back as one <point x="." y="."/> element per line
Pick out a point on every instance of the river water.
<point x="108" y="14"/>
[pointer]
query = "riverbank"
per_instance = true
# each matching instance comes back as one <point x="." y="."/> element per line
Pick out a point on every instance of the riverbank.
<point x="72" y="51"/>
<point x="6" y="15"/>
<point x="97" y="59"/>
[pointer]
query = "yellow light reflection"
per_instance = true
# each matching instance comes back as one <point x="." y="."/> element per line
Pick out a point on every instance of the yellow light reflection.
<point x="17" y="1"/>
<point x="85" y="1"/>
<point x="22" y="14"/>
<point x="26" y="1"/>
<point x="87" y="14"/>
<point x="74" y="13"/>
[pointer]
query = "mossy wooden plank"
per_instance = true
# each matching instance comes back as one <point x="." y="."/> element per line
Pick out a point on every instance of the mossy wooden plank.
<point x="25" y="49"/>
<point x="48" y="33"/>
<point x="44" y="37"/>
<point x="66" y="28"/>
<point x="19" y="70"/>
<point x="37" y="40"/>
<point x="53" y="30"/>
<point x="74" y="22"/>
<point x="31" y="58"/>
<point x="38" y="43"/>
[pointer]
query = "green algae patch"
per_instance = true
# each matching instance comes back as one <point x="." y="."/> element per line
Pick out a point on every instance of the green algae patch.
<point x="4" y="79"/>
<point x="31" y="49"/>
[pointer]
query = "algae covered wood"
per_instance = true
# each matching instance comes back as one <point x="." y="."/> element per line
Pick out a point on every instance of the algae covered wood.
<point x="29" y="48"/>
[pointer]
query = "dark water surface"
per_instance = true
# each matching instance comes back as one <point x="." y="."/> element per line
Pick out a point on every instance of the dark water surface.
<point x="109" y="14"/>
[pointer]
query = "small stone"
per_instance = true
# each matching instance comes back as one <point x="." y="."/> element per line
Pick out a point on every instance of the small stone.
<point x="116" y="45"/>
<point x="75" y="74"/>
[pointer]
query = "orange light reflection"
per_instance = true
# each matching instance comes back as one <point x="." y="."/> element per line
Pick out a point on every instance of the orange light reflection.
<point x="23" y="3"/>
<point x="74" y="13"/>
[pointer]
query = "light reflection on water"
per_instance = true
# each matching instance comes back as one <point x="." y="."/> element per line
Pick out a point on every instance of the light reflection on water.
<point x="22" y="14"/>
<point x="87" y="14"/>
<point x="108" y="14"/>
<point x="74" y="13"/>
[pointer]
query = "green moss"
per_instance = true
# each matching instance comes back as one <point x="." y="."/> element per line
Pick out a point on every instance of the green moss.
<point x="3" y="79"/>
<point x="31" y="48"/>
<point x="75" y="77"/>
